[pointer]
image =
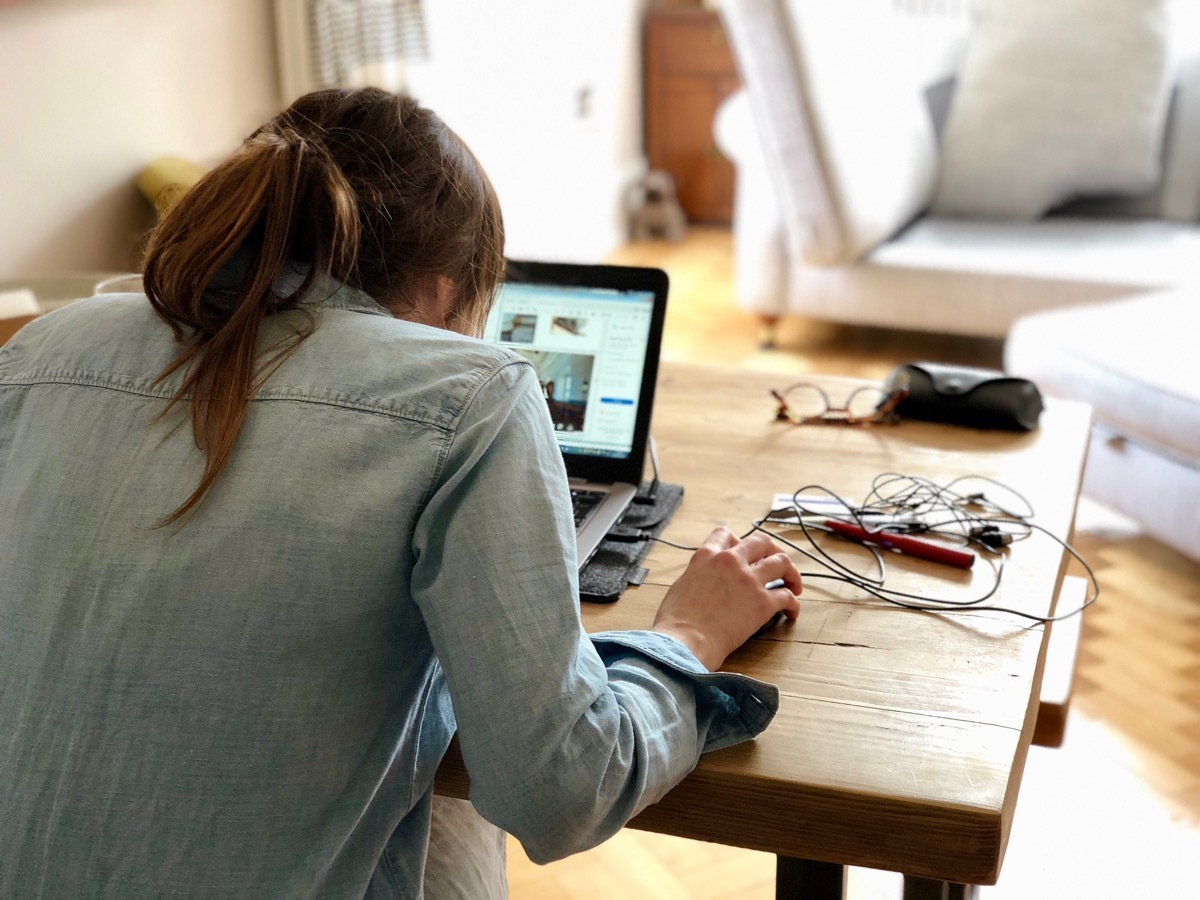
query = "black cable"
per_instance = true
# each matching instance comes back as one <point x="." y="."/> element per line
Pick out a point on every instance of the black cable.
<point x="975" y="518"/>
<point x="888" y="593"/>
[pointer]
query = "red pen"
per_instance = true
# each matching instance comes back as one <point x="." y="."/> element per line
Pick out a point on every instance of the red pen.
<point x="960" y="559"/>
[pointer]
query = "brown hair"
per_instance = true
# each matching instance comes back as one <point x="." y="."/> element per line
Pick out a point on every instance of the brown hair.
<point x="361" y="185"/>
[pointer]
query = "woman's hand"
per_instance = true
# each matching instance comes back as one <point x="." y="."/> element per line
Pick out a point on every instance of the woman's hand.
<point x="722" y="598"/>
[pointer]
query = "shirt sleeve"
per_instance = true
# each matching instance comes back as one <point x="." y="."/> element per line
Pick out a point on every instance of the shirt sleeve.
<point x="565" y="737"/>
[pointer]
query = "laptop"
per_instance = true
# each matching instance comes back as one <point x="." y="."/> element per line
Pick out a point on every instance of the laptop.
<point x="593" y="334"/>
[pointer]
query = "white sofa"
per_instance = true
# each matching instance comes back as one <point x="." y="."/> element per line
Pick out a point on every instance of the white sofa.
<point x="1136" y="362"/>
<point x="838" y="145"/>
<point x="835" y="140"/>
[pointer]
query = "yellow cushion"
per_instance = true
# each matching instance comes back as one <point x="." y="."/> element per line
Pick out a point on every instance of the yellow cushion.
<point x="163" y="180"/>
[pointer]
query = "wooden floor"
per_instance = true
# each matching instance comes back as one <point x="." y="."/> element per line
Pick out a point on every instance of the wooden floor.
<point x="1113" y="813"/>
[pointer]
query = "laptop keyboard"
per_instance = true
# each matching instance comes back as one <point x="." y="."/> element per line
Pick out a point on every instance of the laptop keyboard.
<point x="584" y="502"/>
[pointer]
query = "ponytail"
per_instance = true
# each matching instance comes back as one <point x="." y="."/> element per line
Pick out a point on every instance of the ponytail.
<point x="282" y="197"/>
<point x="337" y="170"/>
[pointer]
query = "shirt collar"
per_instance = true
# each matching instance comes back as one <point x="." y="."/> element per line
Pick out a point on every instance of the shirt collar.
<point x="326" y="292"/>
<point x="329" y="293"/>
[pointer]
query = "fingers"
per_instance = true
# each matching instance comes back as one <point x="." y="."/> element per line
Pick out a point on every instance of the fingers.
<point x="720" y="538"/>
<point x="785" y="600"/>
<point x="769" y="560"/>
<point x="779" y="567"/>
<point x="782" y="580"/>
<point x="760" y="552"/>
<point x="750" y="549"/>
<point x="756" y="546"/>
<point x="771" y="566"/>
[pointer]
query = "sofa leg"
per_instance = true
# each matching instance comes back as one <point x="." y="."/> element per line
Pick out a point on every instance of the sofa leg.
<point x="766" y="331"/>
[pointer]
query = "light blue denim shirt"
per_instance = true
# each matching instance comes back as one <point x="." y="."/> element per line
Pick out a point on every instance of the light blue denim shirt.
<point x="254" y="704"/>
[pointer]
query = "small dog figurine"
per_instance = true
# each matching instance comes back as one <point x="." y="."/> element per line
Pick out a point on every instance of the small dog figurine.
<point x="658" y="213"/>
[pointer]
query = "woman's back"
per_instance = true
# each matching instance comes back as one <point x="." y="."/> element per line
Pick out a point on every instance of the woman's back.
<point x="244" y="687"/>
<point x="258" y="528"/>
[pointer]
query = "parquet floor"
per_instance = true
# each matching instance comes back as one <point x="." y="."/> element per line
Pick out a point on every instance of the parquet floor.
<point x="1112" y="814"/>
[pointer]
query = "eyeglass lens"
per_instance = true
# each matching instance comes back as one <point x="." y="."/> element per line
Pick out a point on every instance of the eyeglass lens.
<point x="808" y="401"/>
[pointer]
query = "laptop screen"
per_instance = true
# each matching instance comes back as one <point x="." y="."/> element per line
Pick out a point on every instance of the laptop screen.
<point x="592" y="334"/>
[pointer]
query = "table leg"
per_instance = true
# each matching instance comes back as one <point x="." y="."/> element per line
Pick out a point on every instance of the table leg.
<point x="928" y="889"/>
<point x="803" y="879"/>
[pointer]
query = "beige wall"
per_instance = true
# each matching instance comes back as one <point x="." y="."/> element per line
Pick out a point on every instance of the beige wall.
<point x="94" y="89"/>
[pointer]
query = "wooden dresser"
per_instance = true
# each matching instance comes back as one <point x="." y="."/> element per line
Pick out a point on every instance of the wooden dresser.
<point x="689" y="70"/>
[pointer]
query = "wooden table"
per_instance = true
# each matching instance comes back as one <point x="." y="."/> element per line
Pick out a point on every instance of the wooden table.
<point x="901" y="736"/>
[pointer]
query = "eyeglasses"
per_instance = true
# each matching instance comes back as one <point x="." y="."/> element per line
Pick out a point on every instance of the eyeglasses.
<point x="805" y="403"/>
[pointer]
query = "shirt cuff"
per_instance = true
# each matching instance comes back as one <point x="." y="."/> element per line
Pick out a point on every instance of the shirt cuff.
<point x="735" y="707"/>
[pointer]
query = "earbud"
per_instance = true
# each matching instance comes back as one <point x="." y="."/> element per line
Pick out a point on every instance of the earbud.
<point x="991" y="536"/>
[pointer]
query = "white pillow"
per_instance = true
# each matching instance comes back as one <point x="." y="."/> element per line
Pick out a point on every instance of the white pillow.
<point x="1056" y="98"/>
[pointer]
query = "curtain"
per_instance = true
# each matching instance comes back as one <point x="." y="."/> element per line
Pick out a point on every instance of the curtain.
<point x="360" y="42"/>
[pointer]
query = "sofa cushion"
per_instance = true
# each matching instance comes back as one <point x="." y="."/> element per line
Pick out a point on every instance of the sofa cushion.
<point x="1130" y="254"/>
<point x="1161" y="492"/>
<point x="978" y="278"/>
<point x="1176" y="195"/>
<point x="1056" y="99"/>
<point x="1134" y="361"/>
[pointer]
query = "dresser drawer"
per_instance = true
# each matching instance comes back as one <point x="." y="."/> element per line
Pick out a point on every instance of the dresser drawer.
<point x="691" y="43"/>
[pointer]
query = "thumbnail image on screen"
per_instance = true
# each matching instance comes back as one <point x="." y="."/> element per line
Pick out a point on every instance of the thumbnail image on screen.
<point x="518" y="328"/>
<point x="565" y="379"/>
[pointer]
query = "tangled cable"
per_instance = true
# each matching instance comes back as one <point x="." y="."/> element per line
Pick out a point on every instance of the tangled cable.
<point x="959" y="512"/>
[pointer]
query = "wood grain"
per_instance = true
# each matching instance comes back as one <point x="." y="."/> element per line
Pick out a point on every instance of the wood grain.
<point x="901" y="735"/>
<point x="1124" y="786"/>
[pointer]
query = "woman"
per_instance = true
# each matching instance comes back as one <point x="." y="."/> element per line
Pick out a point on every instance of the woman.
<point x="269" y="539"/>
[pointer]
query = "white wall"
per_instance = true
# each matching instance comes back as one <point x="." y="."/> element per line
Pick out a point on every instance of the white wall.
<point x="94" y="89"/>
<point x="511" y="78"/>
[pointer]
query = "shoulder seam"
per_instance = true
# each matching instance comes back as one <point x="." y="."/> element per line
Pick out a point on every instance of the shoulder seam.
<point x="452" y="433"/>
<point x="348" y="403"/>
